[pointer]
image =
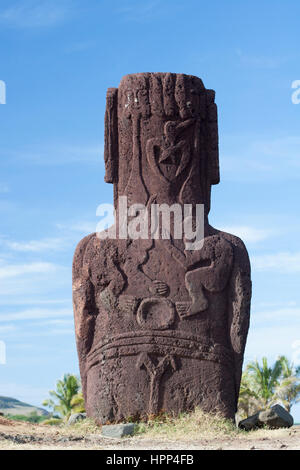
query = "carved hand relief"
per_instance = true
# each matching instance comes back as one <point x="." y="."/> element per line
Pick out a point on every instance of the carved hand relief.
<point x="159" y="288"/>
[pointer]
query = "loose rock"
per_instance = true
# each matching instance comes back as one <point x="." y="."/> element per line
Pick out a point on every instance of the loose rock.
<point x="76" y="418"/>
<point x="118" y="430"/>
<point x="274" y="418"/>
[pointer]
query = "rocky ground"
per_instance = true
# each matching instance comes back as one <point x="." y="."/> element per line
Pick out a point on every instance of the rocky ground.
<point x="19" y="435"/>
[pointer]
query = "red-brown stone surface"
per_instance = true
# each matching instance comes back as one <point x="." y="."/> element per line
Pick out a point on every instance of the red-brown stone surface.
<point x="159" y="327"/>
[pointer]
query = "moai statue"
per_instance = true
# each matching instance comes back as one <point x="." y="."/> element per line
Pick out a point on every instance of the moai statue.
<point x="160" y="327"/>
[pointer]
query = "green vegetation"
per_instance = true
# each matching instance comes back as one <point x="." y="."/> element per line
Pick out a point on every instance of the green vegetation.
<point x="53" y="421"/>
<point x="33" y="417"/>
<point x="67" y="397"/>
<point x="262" y="386"/>
<point x="77" y="403"/>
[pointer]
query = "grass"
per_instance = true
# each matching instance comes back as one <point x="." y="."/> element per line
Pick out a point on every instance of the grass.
<point x="187" y="426"/>
<point x="88" y="426"/>
<point x="192" y="426"/>
<point x="32" y="418"/>
<point x="189" y="430"/>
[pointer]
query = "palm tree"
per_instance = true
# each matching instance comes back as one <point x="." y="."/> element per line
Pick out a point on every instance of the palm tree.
<point x="77" y="403"/>
<point x="257" y="387"/>
<point x="61" y="398"/>
<point x="263" y="386"/>
<point x="288" y="389"/>
<point x="247" y="397"/>
<point x="263" y="380"/>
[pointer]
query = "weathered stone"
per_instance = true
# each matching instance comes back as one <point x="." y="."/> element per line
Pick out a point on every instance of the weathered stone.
<point x="117" y="430"/>
<point x="76" y="418"/>
<point x="276" y="417"/>
<point x="160" y="327"/>
<point x="252" y="422"/>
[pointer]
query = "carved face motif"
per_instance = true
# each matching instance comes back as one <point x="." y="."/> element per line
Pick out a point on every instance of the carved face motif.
<point x="169" y="155"/>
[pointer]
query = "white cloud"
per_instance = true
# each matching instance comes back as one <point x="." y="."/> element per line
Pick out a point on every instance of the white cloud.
<point x="40" y="280"/>
<point x="56" y="322"/>
<point x="248" y="234"/>
<point x="291" y="303"/>
<point x="62" y="155"/>
<point x="7" y="328"/>
<point x="36" y="314"/>
<point x="84" y="227"/>
<point x="252" y="158"/>
<point x="50" y="154"/>
<point x="286" y="314"/>
<point x="285" y="262"/>
<point x="62" y="331"/>
<point x="261" y="62"/>
<point x="36" y="13"/>
<point x="46" y="244"/>
<point x="33" y="301"/>
<point x="271" y="341"/>
<point x="9" y="271"/>
<point x="140" y="11"/>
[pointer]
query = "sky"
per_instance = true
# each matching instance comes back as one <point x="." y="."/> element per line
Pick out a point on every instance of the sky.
<point x="57" y="58"/>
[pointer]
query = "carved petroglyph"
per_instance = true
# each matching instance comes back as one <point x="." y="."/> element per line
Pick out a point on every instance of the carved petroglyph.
<point x="217" y="254"/>
<point x="160" y="288"/>
<point x="135" y="182"/>
<point x="128" y="304"/>
<point x="155" y="372"/>
<point x="109" y="300"/>
<point x="111" y="144"/>
<point x="207" y="269"/>
<point x="168" y="158"/>
<point x="156" y="314"/>
<point x="183" y="308"/>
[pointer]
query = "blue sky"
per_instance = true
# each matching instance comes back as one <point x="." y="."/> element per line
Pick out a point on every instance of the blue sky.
<point x="57" y="60"/>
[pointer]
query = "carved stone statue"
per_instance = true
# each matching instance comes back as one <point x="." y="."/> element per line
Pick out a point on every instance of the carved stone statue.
<point x="159" y="327"/>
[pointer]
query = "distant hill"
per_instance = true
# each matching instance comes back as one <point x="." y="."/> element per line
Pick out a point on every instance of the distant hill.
<point x="12" y="406"/>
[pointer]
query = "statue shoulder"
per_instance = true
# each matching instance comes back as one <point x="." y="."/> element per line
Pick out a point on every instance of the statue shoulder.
<point x="241" y="256"/>
<point x="86" y="244"/>
<point x="95" y="259"/>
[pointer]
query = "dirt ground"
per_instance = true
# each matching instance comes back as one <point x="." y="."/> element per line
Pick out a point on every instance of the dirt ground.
<point x="16" y="435"/>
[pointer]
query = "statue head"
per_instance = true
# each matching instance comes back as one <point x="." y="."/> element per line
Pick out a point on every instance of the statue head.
<point x="161" y="139"/>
